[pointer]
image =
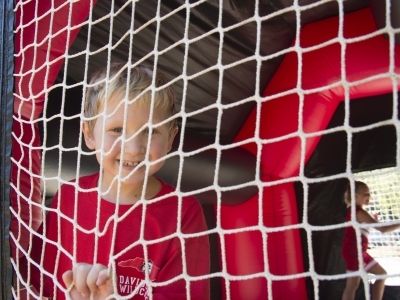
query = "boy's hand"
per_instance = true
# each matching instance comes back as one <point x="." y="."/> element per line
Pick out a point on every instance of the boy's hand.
<point x="87" y="279"/>
<point x="375" y="216"/>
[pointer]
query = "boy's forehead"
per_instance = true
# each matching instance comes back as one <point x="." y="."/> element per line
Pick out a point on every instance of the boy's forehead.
<point x="144" y="101"/>
<point x="122" y="104"/>
<point x="363" y="190"/>
<point x="113" y="103"/>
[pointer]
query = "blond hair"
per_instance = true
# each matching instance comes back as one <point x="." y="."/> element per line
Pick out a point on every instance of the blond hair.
<point x="358" y="185"/>
<point x="134" y="82"/>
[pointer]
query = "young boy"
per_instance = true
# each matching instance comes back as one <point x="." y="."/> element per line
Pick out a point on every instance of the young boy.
<point x="350" y="244"/>
<point x="122" y="231"/>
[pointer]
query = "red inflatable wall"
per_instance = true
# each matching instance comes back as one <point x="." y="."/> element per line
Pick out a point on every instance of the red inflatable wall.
<point x="289" y="125"/>
<point x="38" y="59"/>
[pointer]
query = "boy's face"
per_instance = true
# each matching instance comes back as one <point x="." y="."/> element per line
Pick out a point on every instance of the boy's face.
<point x="110" y="129"/>
<point x="363" y="196"/>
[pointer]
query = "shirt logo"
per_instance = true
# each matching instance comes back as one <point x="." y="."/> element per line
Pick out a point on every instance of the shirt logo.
<point x="139" y="264"/>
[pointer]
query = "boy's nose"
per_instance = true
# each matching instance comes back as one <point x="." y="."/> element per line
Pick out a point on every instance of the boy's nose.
<point x="135" y="145"/>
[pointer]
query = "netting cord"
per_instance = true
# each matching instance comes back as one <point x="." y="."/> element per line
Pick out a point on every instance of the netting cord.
<point x="39" y="55"/>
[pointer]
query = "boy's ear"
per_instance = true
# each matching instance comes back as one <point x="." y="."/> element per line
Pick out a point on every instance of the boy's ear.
<point x="89" y="140"/>
<point x="172" y="137"/>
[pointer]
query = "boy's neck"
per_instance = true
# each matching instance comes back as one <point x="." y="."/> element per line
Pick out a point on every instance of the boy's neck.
<point x="130" y="194"/>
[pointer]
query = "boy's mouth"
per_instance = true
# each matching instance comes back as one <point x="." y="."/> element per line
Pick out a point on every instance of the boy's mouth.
<point x="130" y="163"/>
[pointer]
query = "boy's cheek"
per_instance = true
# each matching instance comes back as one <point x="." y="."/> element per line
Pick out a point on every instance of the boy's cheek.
<point x="113" y="142"/>
<point x="108" y="142"/>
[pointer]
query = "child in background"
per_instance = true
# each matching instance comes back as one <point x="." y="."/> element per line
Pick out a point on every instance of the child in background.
<point x="349" y="249"/>
<point x="122" y="231"/>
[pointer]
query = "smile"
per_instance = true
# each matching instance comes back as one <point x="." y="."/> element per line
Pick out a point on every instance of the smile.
<point x="130" y="163"/>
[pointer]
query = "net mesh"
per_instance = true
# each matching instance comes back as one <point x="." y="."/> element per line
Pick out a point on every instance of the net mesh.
<point x="383" y="183"/>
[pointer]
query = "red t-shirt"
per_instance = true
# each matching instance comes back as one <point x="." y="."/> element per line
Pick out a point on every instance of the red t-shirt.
<point x="78" y="223"/>
<point x="349" y="248"/>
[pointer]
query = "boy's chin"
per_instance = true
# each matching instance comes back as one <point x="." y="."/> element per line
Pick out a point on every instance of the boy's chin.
<point x="133" y="177"/>
<point x="137" y="174"/>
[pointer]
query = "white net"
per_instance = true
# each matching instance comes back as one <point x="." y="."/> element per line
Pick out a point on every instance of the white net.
<point x="261" y="251"/>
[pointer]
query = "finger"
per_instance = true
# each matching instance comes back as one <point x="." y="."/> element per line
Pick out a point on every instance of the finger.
<point x="93" y="276"/>
<point x="103" y="277"/>
<point x="68" y="278"/>
<point x="81" y="272"/>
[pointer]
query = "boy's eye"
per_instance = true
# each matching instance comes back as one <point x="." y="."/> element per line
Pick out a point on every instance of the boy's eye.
<point x="147" y="131"/>
<point x="117" y="130"/>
